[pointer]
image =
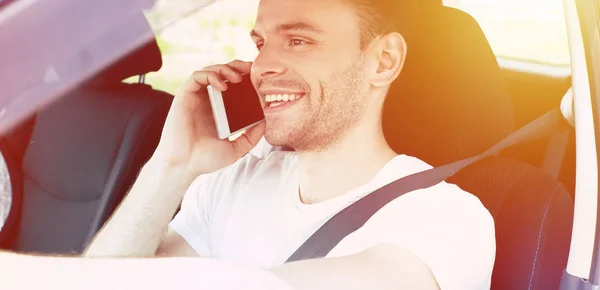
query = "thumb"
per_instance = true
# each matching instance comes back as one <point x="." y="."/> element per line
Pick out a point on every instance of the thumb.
<point x="249" y="139"/>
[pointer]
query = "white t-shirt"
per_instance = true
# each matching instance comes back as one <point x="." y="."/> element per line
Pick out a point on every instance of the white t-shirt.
<point x="250" y="212"/>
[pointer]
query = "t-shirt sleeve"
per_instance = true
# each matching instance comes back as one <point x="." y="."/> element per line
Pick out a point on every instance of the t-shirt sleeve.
<point x="447" y="228"/>
<point x="192" y="220"/>
<point x="201" y="203"/>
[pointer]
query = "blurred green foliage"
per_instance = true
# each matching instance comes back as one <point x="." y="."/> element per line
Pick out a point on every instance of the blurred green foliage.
<point x="534" y="32"/>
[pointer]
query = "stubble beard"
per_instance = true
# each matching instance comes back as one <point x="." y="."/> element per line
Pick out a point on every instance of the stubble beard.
<point x="323" y="125"/>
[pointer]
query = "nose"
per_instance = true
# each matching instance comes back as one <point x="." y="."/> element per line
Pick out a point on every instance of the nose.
<point x="267" y="64"/>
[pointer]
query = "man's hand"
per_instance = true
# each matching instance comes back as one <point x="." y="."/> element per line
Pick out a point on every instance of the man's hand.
<point x="189" y="138"/>
<point x="189" y="147"/>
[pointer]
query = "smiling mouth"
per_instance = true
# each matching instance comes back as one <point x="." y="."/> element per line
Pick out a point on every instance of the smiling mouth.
<point x="281" y="100"/>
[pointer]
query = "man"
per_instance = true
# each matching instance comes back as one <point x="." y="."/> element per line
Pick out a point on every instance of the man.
<point x="334" y="61"/>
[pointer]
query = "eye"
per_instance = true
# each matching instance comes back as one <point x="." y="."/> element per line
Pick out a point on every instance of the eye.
<point x="296" y="42"/>
<point x="259" y="45"/>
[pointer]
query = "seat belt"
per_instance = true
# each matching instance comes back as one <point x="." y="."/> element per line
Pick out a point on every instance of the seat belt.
<point x="555" y="153"/>
<point x="558" y="143"/>
<point x="357" y="214"/>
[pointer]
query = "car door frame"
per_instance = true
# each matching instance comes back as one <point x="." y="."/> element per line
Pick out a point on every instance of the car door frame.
<point x="583" y="268"/>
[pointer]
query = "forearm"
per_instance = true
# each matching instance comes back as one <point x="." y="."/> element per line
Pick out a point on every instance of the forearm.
<point x="140" y="223"/>
<point x="29" y="272"/>
<point x="379" y="268"/>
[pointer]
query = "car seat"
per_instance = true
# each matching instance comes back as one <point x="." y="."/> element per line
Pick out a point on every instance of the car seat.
<point x="85" y="152"/>
<point x="450" y="102"/>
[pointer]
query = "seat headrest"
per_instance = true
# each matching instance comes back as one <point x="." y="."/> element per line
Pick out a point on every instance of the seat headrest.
<point x="147" y="58"/>
<point x="450" y="100"/>
<point x="141" y="61"/>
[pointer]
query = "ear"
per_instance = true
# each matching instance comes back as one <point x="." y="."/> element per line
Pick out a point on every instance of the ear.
<point x="391" y="53"/>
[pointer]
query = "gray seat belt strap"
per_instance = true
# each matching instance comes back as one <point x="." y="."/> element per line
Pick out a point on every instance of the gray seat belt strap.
<point x="357" y="214"/>
<point x="555" y="152"/>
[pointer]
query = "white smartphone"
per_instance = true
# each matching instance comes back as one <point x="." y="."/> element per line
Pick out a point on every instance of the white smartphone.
<point x="235" y="109"/>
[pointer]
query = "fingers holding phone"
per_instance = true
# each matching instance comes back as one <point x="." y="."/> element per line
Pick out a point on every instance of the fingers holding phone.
<point x="190" y="137"/>
<point x="216" y="76"/>
<point x="235" y="109"/>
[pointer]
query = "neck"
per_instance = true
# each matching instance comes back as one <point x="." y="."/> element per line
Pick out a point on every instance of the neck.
<point x="349" y="163"/>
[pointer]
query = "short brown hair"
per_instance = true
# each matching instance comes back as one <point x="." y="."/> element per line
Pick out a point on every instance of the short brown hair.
<point x="378" y="17"/>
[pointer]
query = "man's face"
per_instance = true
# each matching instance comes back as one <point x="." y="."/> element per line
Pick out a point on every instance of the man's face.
<point x="310" y="60"/>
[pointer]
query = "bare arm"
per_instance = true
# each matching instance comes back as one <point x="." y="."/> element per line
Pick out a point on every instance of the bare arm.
<point x="141" y="221"/>
<point x="189" y="147"/>
<point x="36" y="273"/>
<point x="379" y="268"/>
<point x="382" y="267"/>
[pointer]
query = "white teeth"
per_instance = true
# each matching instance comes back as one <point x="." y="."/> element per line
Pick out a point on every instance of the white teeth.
<point x="281" y="98"/>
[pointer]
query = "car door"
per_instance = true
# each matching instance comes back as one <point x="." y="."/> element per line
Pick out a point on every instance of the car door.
<point x="583" y="271"/>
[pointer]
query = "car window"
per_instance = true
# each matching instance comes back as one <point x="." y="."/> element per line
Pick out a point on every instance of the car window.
<point x="63" y="48"/>
<point x="216" y="34"/>
<point x="528" y="30"/>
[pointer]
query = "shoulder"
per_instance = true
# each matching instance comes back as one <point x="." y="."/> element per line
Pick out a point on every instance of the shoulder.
<point x="448" y="228"/>
<point x="441" y="199"/>
<point x="211" y="198"/>
<point x="248" y="168"/>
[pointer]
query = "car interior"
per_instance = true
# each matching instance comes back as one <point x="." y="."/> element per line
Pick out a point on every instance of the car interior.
<point x="84" y="153"/>
<point x="79" y="156"/>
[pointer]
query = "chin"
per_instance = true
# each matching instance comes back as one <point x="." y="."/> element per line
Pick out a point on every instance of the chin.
<point x="285" y="134"/>
<point x="277" y="139"/>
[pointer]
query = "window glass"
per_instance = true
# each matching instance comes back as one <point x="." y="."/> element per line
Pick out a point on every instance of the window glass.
<point x="216" y="34"/>
<point x="528" y="30"/>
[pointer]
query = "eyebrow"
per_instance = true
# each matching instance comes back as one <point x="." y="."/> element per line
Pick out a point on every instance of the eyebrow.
<point x="298" y="26"/>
